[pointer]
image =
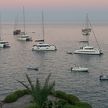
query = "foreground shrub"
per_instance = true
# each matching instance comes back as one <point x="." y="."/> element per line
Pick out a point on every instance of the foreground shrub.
<point x="61" y="103"/>
<point x="21" y="93"/>
<point x="11" y="98"/>
<point x="83" y="105"/>
<point x="15" y="95"/>
<point x="59" y="94"/>
<point x="32" y="105"/>
<point x="68" y="97"/>
<point x="72" y="99"/>
<point x="37" y="91"/>
<point x="67" y="106"/>
<point x="40" y="95"/>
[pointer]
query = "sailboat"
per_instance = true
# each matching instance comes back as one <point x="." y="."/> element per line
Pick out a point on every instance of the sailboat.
<point x="23" y="36"/>
<point x="87" y="48"/>
<point x="3" y="44"/>
<point x="16" y="30"/>
<point x="41" y="45"/>
<point x="76" y="68"/>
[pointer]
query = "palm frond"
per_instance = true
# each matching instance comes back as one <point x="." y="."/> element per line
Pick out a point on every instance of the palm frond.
<point x="30" y="82"/>
<point x="47" y="81"/>
<point x="38" y="92"/>
<point x="51" y="86"/>
<point x="38" y="84"/>
<point x="27" y="87"/>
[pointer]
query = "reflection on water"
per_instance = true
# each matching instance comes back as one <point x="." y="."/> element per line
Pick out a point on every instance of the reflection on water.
<point x="15" y="60"/>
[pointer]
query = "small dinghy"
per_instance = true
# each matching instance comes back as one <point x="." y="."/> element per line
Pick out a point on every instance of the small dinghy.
<point x="79" y="69"/>
<point x="69" y="52"/>
<point x="103" y="77"/>
<point x="33" y="68"/>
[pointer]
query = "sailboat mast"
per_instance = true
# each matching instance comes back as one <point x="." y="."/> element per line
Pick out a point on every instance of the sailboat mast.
<point x="87" y="28"/>
<point x="43" y="25"/>
<point x="16" y="22"/>
<point x="24" y="19"/>
<point x="0" y="27"/>
<point x="87" y="21"/>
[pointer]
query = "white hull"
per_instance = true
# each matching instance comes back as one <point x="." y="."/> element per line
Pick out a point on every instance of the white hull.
<point x="24" y="38"/>
<point x="48" y="48"/>
<point x="4" y="44"/>
<point x="79" y="69"/>
<point x="1" y="45"/>
<point x="87" y="52"/>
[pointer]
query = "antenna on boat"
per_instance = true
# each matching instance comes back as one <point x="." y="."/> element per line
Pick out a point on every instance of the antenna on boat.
<point x="43" y="31"/>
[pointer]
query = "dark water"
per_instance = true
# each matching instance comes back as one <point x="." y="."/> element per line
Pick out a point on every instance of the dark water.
<point x="14" y="60"/>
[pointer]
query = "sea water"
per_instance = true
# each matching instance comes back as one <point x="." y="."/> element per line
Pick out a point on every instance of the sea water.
<point x="87" y="86"/>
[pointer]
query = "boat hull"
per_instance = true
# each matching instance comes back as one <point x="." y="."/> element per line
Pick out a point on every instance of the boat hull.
<point x="50" y="48"/>
<point x="1" y="45"/>
<point x="103" y="77"/>
<point x="79" y="69"/>
<point x="33" y="68"/>
<point x="24" y="39"/>
<point x="5" y="45"/>
<point x="88" y="52"/>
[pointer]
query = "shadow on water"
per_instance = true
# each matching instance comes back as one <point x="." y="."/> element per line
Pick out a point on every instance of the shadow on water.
<point x="88" y="57"/>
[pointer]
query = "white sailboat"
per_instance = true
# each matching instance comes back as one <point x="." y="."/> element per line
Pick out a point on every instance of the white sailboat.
<point x="23" y="36"/>
<point x="41" y="45"/>
<point x="3" y="44"/>
<point x="86" y="48"/>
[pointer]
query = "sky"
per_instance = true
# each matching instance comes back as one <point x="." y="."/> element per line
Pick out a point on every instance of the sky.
<point x="54" y="10"/>
<point x="55" y="3"/>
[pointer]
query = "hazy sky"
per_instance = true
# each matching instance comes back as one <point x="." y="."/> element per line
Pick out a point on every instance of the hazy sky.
<point x="55" y="10"/>
<point x="55" y="3"/>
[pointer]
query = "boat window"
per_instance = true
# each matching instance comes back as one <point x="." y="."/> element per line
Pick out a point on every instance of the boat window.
<point x="87" y="51"/>
<point x="43" y="45"/>
<point x="89" y="48"/>
<point x="81" y="47"/>
<point x="3" y="42"/>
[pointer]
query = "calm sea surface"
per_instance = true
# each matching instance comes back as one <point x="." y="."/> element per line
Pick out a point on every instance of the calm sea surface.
<point x="87" y="86"/>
